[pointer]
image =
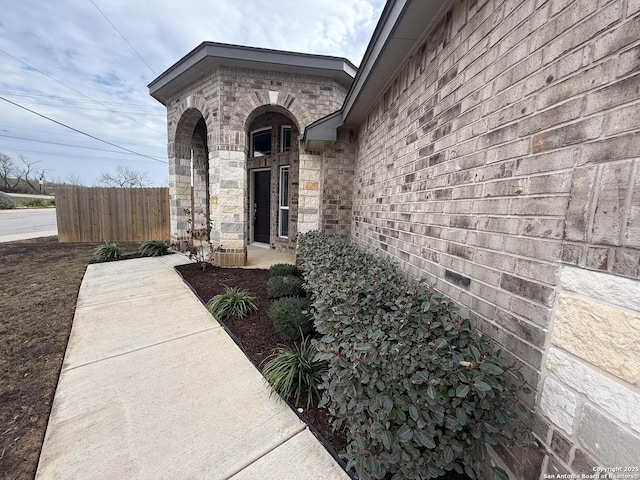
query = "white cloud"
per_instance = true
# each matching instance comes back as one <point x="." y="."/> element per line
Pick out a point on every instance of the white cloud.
<point x="101" y="85"/>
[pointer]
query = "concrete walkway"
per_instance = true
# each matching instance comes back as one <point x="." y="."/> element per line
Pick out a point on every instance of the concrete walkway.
<point x="152" y="387"/>
<point x="260" y="257"/>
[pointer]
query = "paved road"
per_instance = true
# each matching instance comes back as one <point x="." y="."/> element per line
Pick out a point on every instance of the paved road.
<point x="24" y="223"/>
<point x="30" y="195"/>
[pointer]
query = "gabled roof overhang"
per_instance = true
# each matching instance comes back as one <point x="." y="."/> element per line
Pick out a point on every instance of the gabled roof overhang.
<point x="402" y="25"/>
<point x="209" y="55"/>
<point x="324" y="130"/>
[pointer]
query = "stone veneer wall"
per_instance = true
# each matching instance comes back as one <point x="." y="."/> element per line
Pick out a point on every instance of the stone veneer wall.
<point x="502" y="164"/>
<point x="228" y="98"/>
<point x="309" y="193"/>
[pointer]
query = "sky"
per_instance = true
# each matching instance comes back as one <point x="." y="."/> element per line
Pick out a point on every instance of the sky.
<point x="86" y="64"/>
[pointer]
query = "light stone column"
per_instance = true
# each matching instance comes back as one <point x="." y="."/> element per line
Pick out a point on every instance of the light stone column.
<point x="179" y="196"/>
<point x="591" y="387"/>
<point x="214" y="194"/>
<point x="228" y="191"/>
<point x="201" y="210"/>
<point x="309" y="192"/>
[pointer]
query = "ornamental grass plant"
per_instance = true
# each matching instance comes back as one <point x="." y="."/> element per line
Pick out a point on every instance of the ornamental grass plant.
<point x="107" y="252"/>
<point x="232" y="303"/>
<point x="295" y="373"/>
<point x="154" y="248"/>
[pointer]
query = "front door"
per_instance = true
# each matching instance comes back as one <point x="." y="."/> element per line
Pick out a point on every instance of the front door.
<point x="262" y="206"/>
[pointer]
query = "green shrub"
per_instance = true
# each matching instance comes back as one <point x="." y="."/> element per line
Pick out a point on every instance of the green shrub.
<point x="34" y="202"/>
<point x="295" y="373"/>
<point x="417" y="389"/>
<point x="6" y="202"/>
<point x="282" y="269"/>
<point x="107" y="252"/>
<point x="154" y="248"/>
<point x="291" y="317"/>
<point x="286" y="286"/>
<point x="233" y="303"/>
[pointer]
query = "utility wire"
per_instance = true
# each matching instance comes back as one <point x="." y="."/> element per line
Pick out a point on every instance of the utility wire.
<point x="67" y="99"/>
<point x="63" y="144"/>
<point x="75" y="107"/>
<point x="78" y="91"/>
<point x="80" y="131"/>
<point x="123" y="37"/>
<point x="12" y="128"/>
<point x="69" y="155"/>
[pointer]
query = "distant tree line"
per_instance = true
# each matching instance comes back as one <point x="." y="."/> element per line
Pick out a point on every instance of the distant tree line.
<point x="124" y="177"/>
<point x="21" y="178"/>
<point x="26" y="176"/>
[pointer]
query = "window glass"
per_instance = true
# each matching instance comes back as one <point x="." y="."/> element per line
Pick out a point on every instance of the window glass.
<point x="261" y="143"/>
<point x="284" y="223"/>
<point x="284" y="186"/>
<point x="283" y="218"/>
<point x="285" y="139"/>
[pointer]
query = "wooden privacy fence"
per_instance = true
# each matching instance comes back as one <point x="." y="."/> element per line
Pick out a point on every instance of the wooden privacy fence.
<point x="112" y="214"/>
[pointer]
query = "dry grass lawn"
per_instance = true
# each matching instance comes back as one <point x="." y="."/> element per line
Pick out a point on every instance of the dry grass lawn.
<point x="39" y="282"/>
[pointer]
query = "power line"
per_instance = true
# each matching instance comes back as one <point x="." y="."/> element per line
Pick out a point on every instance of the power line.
<point x="80" y="131"/>
<point x="63" y="144"/>
<point x="123" y="37"/>
<point x="77" y="91"/>
<point x="20" y="150"/>
<point x="3" y="128"/>
<point x="75" y="107"/>
<point x="67" y="99"/>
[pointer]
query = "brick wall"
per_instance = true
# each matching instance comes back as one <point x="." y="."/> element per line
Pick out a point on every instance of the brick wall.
<point x="229" y="99"/>
<point x="502" y="159"/>
<point x="227" y="96"/>
<point x="338" y="164"/>
<point x="242" y="90"/>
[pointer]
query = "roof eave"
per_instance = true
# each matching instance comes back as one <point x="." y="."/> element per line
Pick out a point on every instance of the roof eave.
<point x="402" y="27"/>
<point x="322" y="131"/>
<point x="209" y="54"/>
<point x="399" y="31"/>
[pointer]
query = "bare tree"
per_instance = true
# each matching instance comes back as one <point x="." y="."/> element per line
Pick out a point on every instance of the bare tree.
<point x="30" y="172"/>
<point x="72" y="179"/>
<point x="8" y="172"/>
<point x="124" y="177"/>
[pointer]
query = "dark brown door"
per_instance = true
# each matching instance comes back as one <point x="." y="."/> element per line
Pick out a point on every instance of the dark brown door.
<point x="262" y="206"/>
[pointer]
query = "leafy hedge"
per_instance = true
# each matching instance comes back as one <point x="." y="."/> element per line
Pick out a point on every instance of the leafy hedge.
<point x="291" y="317"/>
<point x="282" y="269"/>
<point x="418" y="391"/>
<point x="6" y="202"/>
<point x="284" y="286"/>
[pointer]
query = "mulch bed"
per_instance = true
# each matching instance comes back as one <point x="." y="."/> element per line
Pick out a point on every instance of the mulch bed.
<point x="256" y="334"/>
